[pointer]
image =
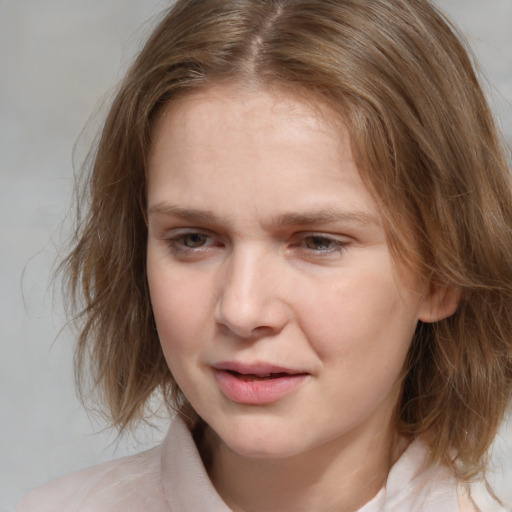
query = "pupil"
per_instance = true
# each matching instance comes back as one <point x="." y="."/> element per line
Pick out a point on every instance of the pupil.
<point x="318" y="242"/>
<point x="195" y="240"/>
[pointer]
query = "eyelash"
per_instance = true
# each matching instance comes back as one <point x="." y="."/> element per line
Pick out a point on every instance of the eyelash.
<point x="328" y="245"/>
<point x="335" y="244"/>
<point x="177" y="243"/>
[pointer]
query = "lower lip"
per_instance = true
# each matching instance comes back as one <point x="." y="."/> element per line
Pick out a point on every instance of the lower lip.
<point x="257" y="391"/>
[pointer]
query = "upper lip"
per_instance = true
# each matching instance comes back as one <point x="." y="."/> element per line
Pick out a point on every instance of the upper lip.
<point x="258" y="368"/>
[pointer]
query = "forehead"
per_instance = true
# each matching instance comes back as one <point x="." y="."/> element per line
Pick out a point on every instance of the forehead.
<point x="271" y="140"/>
<point x="241" y="103"/>
<point x="219" y="120"/>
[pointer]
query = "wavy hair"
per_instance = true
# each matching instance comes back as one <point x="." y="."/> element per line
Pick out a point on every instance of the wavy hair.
<point x="426" y="146"/>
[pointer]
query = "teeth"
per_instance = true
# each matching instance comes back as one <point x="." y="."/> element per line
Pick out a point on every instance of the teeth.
<point x="264" y="375"/>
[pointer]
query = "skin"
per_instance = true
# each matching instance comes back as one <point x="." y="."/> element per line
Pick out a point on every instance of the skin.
<point x="265" y="246"/>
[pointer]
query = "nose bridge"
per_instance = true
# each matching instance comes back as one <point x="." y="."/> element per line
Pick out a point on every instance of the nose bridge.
<point x="249" y="302"/>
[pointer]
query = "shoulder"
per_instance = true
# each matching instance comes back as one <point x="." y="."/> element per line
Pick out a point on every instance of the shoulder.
<point x="466" y="503"/>
<point x="169" y="477"/>
<point x="128" y="484"/>
<point x="415" y="484"/>
<point x="479" y="497"/>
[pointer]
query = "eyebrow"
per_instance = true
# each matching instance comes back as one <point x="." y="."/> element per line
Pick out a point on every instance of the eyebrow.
<point x="306" y="218"/>
<point x="190" y="214"/>
<point x="327" y="216"/>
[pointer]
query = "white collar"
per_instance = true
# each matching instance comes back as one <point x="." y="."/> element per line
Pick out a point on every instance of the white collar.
<point x="411" y="485"/>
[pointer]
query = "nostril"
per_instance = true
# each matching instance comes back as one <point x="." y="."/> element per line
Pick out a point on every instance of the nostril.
<point x="230" y="330"/>
<point x="263" y="331"/>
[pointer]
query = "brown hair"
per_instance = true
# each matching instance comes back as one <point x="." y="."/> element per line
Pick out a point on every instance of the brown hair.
<point x="425" y="143"/>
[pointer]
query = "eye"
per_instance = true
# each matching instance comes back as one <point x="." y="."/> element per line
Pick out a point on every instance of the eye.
<point x="319" y="243"/>
<point x="194" y="240"/>
<point x="322" y="244"/>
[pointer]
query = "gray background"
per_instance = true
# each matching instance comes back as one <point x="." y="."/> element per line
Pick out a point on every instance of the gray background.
<point x="59" y="62"/>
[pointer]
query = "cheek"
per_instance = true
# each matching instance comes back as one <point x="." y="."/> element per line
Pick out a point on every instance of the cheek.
<point x="363" y="321"/>
<point x="362" y="335"/>
<point x="175" y="310"/>
<point x="180" y="309"/>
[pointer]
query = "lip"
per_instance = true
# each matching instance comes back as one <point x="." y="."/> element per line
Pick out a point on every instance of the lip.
<point x="257" y="383"/>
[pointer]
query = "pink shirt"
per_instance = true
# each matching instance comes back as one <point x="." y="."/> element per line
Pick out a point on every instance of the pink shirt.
<point x="172" y="478"/>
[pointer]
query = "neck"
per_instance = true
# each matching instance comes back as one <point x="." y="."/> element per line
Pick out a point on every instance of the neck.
<point x="340" y="475"/>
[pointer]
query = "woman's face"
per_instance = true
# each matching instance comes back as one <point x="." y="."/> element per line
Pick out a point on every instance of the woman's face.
<point x="280" y="312"/>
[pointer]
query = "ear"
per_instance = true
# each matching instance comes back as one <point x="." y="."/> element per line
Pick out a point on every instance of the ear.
<point x="440" y="302"/>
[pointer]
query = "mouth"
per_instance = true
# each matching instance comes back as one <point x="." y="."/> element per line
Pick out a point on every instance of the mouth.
<point x="257" y="384"/>
<point x="256" y="370"/>
<point x="248" y="377"/>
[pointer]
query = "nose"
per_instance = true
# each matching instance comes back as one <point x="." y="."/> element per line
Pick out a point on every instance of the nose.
<point x="251" y="302"/>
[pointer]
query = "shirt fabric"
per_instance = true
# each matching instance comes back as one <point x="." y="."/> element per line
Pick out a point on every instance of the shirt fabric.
<point x="172" y="478"/>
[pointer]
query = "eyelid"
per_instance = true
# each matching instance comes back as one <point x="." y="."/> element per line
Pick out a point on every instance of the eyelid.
<point x="170" y="233"/>
<point x="328" y="236"/>
<point x="173" y="238"/>
<point x="339" y="243"/>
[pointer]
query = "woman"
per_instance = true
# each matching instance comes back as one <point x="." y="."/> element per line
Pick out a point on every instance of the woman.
<point x="298" y="232"/>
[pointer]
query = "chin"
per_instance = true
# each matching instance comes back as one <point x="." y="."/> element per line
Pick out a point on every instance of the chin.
<point x="264" y="450"/>
<point x="259" y="442"/>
